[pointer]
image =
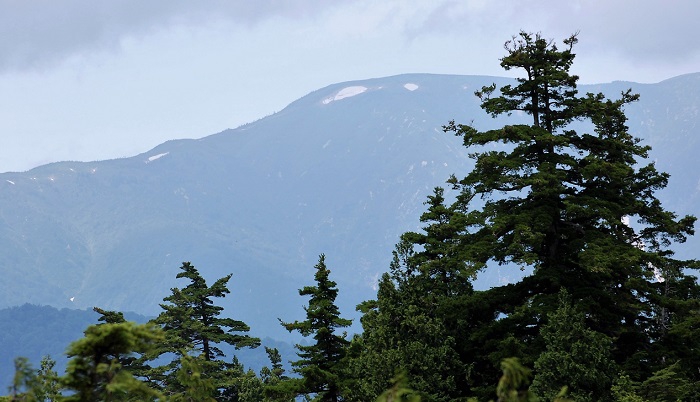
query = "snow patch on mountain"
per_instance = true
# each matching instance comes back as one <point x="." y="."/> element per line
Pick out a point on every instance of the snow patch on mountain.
<point x="411" y="86"/>
<point x="10" y="181"/>
<point x="154" y="157"/>
<point x="345" y="93"/>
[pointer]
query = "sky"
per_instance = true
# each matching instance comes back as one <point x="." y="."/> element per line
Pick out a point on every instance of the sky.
<point x="97" y="79"/>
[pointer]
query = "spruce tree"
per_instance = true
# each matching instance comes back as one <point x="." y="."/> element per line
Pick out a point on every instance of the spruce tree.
<point x="319" y="364"/>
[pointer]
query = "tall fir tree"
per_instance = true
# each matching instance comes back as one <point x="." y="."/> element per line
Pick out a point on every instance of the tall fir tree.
<point x="556" y="201"/>
<point x="319" y="363"/>
<point x="559" y="201"/>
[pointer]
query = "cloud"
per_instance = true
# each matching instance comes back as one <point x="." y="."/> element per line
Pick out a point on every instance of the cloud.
<point x="39" y="33"/>
<point x="636" y="30"/>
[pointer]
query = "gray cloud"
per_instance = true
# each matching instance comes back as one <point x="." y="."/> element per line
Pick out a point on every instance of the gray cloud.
<point x="37" y="33"/>
<point x="633" y="30"/>
<point x="636" y="30"/>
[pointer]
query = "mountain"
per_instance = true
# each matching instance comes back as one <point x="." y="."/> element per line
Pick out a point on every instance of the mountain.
<point x="37" y="331"/>
<point x="342" y="171"/>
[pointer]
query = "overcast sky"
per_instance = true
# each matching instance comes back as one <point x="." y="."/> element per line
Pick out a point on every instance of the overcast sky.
<point x="97" y="79"/>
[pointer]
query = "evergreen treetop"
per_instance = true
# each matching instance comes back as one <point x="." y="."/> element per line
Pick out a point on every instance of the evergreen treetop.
<point x="319" y="364"/>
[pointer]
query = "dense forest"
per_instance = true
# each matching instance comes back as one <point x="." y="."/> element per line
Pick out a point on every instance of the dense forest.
<point x="606" y="314"/>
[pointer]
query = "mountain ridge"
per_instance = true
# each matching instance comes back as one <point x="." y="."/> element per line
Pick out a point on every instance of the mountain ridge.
<point x="337" y="173"/>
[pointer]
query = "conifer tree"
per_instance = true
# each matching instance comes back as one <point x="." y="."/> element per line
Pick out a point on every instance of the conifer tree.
<point x="319" y="362"/>
<point x="273" y="378"/>
<point x="574" y="356"/>
<point x="95" y="373"/>
<point x="399" y="391"/>
<point x="557" y="202"/>
<point x="29" y="385"/>
<point x="410" y="325"/>
<point x="47" y="386"/>
<point x="109" y="316"/>
<point x="192" y="325"/>
<point x="195" y="387"/>
<point x="23" y="382"/>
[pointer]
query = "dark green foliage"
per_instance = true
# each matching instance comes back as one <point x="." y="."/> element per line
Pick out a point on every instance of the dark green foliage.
<point x="47" y="386"/>
<point x="411" y="325"/>
<point x="23" y="381"/>
<point x="400" y="335"/>
<point x="579" y="210"/>
<point x="195" y="388"/>
<point x="191" y="324"/>
<point x="514" y="385"/>
<point x="241" y="385"/>
<point x="574" y="356"/>
<point x="191" y="319"/>
<point x="319" y="364"/>
<point x="399" y="391"/>
<point x="623" y="390"/>
<point x="109" y="317"/>
<point x="557" y="200"/>
<point x="669" y="384"/>
<point x="273" y="378"/>
<point x="95" y="373"/>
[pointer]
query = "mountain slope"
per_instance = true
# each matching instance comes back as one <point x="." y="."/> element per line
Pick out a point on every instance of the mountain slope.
<point x="342" y="171"/>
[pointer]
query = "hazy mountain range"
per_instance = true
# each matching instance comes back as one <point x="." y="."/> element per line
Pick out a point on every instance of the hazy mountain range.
<point x="342" y="171"/>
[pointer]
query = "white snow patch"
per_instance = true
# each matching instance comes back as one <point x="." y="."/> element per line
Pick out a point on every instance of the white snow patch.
<point x="72" y="298"/>
<point x="345" y="93"/>
<point x="411" y="86"/>
<point x="424" y="163"/>
<point x="10" y="181"/>
<point x="326" y="144"/>
<point x="154" y="157"/>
